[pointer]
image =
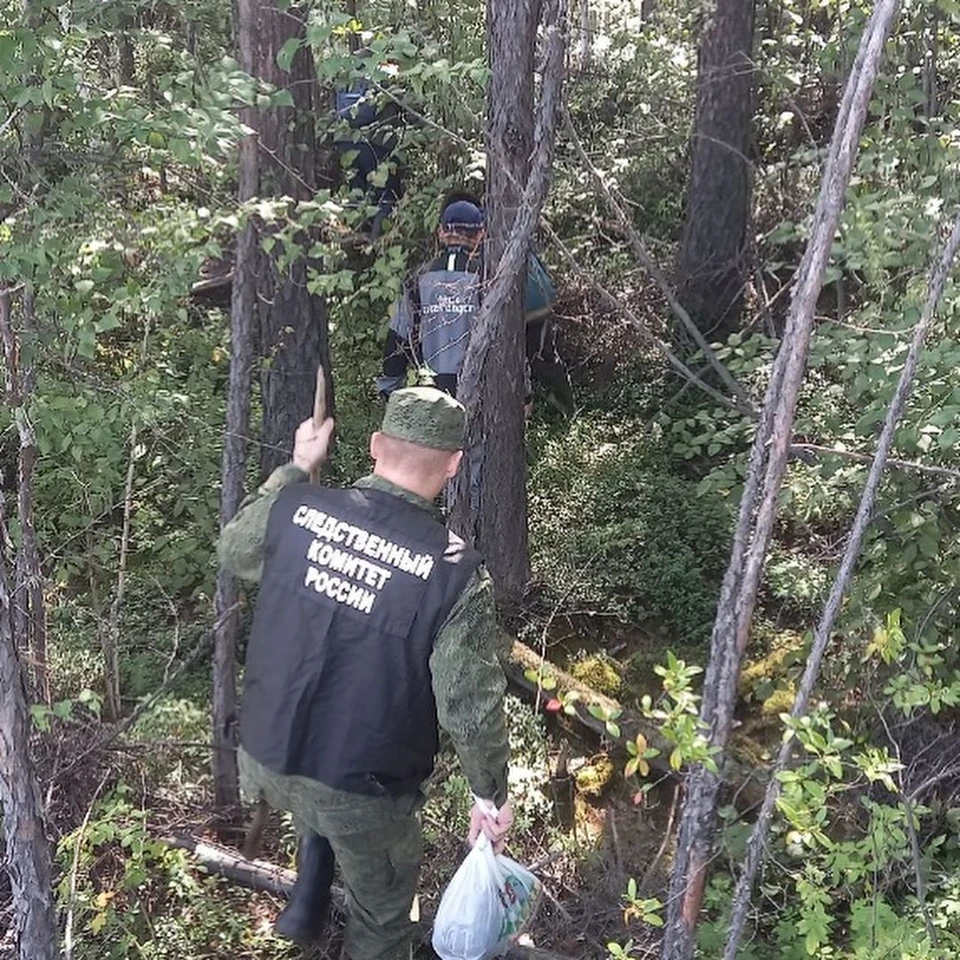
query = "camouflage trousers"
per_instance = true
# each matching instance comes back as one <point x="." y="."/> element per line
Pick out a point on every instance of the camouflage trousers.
<point x="378" y="846"/>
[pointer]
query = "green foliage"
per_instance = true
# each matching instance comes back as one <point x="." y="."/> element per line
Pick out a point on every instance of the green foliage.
<point x="612" y="529"/>
<point x="128" y="894"/>
<point x="117" y="185"/>
<point x="678" y="715"/>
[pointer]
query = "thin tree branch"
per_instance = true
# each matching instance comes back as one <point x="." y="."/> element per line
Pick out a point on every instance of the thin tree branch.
<point x="758" y="505"/>
<point x="641" y="328"/>
<point x="897" y="464"/>
<point x="646" y="261"/>
<point x="912" y="833"/>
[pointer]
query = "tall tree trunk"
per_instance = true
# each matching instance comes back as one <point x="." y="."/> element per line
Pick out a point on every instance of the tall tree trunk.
<point x="711" y="267"/>
<point x="292" y="321"/>
<point x="493" y="505"/>
<point x="233" y="472"/>
<point x="29" y="610"/>
<point x="30" y="615"/>
<point x="768" y="460"/>
<point x="931" y="93"/>
<point x="27" y="856"/>
<point x="511" y="42"/>
<point x="270" y="302"/>
<point x="587" y="28"/>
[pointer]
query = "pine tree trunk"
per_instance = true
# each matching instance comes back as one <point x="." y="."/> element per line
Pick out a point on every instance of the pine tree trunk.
<point x="511" y="41"/>
<point x="492" y="506"/>
<point x="495" y="509"/>
<point x="27" y="856"/>
<point x="29" y="614"/>
<point x="236" y="429"/>
<point x="711" y="264"/>
<point x="270" y="304"/>
<point x="292" y="322"/>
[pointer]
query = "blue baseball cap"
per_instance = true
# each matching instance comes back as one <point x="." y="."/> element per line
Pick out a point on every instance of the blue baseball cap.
<point x="462" y="215"/>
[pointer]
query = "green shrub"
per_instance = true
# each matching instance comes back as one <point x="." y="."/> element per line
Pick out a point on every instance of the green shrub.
<point x="613" y="530"/>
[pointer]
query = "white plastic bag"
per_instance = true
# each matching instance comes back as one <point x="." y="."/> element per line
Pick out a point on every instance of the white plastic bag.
<point x="487" y="903"/>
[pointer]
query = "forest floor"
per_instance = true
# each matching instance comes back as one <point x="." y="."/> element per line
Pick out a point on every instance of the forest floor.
<point x="580" y="826"/>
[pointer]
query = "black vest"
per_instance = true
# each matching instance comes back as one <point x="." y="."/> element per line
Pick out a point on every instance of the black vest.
<point x="355" y="586"/>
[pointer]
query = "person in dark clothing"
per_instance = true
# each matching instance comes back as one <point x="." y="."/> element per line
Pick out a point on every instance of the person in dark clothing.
<point x="374" y="120"/>
<point x="430" y="324"/>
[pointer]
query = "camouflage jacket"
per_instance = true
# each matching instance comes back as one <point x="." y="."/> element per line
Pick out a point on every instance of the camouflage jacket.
<point x="468" y="681"/>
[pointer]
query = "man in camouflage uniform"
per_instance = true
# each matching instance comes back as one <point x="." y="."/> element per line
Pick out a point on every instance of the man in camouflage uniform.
<point x="373" y="625"/>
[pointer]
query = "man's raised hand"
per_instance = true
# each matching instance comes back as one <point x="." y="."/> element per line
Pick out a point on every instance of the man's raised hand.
<point x="311" y="444"/>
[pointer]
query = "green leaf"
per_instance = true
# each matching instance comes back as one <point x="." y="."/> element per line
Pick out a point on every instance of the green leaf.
<point x="287" y="52"/>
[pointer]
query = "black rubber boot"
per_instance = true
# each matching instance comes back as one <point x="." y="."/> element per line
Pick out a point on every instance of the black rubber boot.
<point x="305" y="915"/>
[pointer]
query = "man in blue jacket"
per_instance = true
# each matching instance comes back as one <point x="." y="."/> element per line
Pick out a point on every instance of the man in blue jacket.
<point x="369" y="142"/>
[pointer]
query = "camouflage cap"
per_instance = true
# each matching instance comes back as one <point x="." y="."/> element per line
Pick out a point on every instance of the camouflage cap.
<point x="425" y="416"/>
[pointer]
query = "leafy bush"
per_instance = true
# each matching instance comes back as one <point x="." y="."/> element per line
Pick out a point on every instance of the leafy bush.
<point x="612" y="529"/>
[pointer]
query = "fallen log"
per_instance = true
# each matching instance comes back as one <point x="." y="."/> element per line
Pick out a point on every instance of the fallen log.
<point x="268" y="877"/>
<point x="232" y="865"/>
<point x="746" y="783"/>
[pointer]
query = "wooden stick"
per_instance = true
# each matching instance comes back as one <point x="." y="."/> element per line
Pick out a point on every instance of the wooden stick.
<point x="254" y="874"/>
<point x="319" y="410"/>
<point x="251" y="845"/>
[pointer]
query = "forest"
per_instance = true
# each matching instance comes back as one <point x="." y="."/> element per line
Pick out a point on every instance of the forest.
<point x="723" y="541"/>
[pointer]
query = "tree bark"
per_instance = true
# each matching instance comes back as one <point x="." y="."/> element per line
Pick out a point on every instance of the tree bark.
<point x="233" y="472"/>
<point x="491" y="383"/>
<point x="811" y="673"/>
<point x="768" y="460"/>
<point x="29" y="611"/>
<point x="587" y="27"/>
<point x="269" y="301"/>
<point x="27" y="852"/>
<point x="711" y="262"/>
<point x="293" y="334"/>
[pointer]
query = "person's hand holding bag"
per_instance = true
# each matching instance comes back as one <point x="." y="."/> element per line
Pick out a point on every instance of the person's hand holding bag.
<point x="490" y="898"/>
<point x="496" y="824"/>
